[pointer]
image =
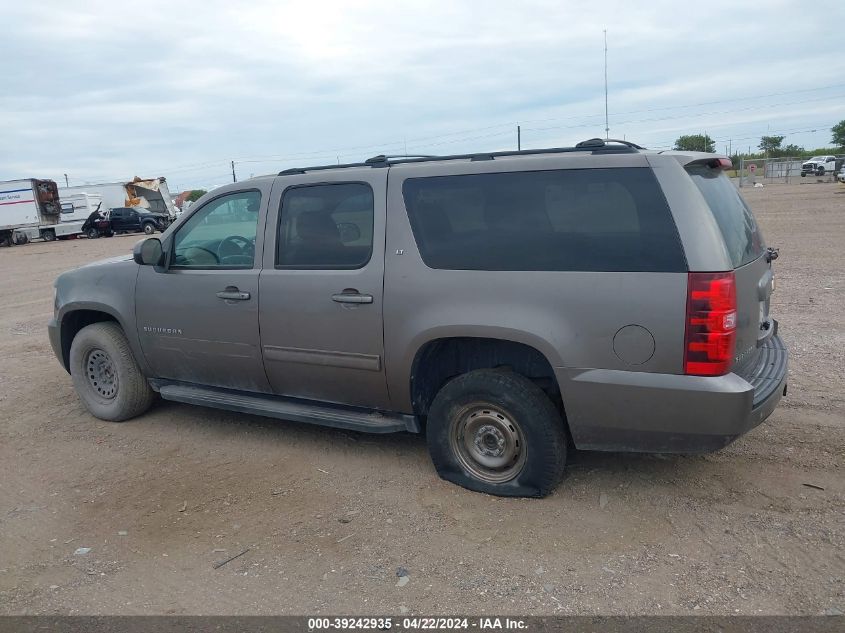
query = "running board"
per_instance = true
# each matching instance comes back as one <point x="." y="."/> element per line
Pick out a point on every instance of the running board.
<point x="354" y="419"/>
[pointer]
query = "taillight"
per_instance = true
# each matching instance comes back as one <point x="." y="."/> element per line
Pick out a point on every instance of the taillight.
<point x="711" y="324"/>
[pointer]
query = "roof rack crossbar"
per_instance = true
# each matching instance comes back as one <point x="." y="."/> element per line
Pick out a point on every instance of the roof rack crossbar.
<point x="595" y="145"/>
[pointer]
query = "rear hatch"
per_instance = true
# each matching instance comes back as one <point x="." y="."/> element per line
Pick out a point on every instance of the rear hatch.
<point x="751" y="262"/>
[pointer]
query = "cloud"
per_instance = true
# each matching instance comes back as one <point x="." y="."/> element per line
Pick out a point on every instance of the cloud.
<point x="106" y="90"/>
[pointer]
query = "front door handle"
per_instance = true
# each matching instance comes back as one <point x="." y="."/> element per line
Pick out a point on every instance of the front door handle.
<point x="352" y="296"/>
<point x="233" y="294"/>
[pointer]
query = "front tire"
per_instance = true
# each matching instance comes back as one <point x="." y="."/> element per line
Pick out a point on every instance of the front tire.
<point x="820" y="171"/>
<point x="49" y="235"/>
<point x="93" y="234"/>
<point x="105" y="375"/>
<point x="149" y="229"/>
<point x="497" y="432"/>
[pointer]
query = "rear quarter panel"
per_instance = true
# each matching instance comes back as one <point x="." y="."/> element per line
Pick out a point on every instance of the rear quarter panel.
<point x="569" y="317"/>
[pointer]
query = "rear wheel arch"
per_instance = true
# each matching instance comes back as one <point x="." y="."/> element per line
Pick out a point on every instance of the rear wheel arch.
<point x="440" y="360"/>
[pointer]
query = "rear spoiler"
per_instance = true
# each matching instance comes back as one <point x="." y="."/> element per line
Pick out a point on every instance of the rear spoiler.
<point x="688" y="159"/>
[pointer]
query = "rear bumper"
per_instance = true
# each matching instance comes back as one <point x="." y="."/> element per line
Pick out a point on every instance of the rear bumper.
<point x="615" y="410"/>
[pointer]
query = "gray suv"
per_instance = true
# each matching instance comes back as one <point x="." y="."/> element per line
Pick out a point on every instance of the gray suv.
<point x="508" y="305"/>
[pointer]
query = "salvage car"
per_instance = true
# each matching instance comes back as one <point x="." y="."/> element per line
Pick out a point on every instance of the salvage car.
<point x="508" y="305"/>
<point x="130" y="219"/>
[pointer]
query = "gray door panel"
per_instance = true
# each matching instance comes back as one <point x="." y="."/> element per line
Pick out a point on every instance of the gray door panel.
<point x="190" y="334"/>
<point x="321" y="330"/>
<point x="197" y="319"/>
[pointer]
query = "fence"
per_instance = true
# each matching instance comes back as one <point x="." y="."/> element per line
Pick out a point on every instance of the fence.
<point x="779" y="170"/>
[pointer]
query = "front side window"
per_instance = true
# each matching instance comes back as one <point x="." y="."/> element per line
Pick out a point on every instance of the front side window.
<point x="221" y="234"/>
<point x="557" y="220"/>
<point x="326" y="227"/>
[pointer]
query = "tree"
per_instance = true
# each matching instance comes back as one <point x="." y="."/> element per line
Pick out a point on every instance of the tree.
<point x="791" y="150"/>
<point x="196" y="194"/>
<point x="695" y="143"/>
<point x="770" y="144"/>
<point x="838" y="134"/>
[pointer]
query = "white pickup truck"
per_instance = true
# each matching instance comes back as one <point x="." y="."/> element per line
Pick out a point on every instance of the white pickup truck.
<point x="818" y="165"/>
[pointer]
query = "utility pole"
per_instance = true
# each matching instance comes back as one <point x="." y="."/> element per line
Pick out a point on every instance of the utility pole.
<point x="606" y="121"/>
<point x="234" y="177"/>
<point x="66" y="182"/>
<point x="518" y="139"/>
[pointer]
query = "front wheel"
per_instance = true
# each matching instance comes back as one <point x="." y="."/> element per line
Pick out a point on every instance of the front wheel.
<point x="93" y="234"/>
<point x="149" y="229"/>
<point x="105" y="375"/>
<point x="49" y="235"/>
<point x="820" y="171"/>
<point x="497" y="432"/>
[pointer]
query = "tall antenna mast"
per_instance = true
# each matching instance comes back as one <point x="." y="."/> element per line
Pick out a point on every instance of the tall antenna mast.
<point x="606" y="120"/>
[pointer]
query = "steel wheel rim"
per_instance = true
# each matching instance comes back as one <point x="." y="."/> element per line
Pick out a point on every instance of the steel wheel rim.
<point x="488" y="442"/>
<point x="101" y="374"/>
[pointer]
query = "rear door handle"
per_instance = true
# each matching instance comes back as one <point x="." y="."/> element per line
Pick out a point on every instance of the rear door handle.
<point x="352" y="297"/>
<point x="233" y="294"/>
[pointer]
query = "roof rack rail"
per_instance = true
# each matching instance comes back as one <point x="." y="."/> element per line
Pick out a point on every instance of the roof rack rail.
<point x="602" y="142"/>
<point x="383" y="160"/>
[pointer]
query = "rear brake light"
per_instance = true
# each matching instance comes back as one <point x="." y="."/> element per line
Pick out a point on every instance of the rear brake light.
<point x="721" y="163"/>
<point x="711" y="324"/>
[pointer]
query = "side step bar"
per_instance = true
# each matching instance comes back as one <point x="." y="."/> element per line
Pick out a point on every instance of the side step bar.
<point x="354" y="419"/>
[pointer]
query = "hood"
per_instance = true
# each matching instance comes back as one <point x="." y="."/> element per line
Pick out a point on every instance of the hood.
<point x="109" y="260"/>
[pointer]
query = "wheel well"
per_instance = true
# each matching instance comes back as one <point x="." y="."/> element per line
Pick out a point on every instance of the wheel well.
<point x="75" y="321"/>
<point x="440" y="360"/>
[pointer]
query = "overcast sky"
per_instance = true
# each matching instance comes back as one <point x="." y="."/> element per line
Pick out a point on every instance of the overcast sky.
<point x="109" y="90"/>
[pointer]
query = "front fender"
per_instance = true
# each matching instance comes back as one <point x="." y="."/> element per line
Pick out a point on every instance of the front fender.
<point x="108" y="288"/>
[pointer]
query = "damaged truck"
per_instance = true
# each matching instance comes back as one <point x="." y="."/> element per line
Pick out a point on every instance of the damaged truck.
<point x="150" y="194"/>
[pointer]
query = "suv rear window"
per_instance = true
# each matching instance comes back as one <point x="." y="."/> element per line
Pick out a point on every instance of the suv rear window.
<point x="575" y="219"/>
<point x="736" y="222"/>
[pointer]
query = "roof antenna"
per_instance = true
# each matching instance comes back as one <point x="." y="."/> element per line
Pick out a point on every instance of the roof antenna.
<point x="606" y="123"/>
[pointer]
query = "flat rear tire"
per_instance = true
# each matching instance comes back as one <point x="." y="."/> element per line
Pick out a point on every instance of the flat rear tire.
<point x="497" y="432"/>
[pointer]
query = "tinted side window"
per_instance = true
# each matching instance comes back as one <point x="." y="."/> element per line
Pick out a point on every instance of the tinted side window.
<point x="326" y="226"/>
<point x="736" y="222"/>
<point x="221" y="234"/>
<point x="576" y="219"/>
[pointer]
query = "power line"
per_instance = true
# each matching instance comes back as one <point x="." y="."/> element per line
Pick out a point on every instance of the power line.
<point x="411" y="141"/>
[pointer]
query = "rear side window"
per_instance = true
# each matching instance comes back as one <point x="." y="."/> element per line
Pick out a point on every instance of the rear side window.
<point x="576" y="219"/>
<point x="326" y="226"/>
<point x="736" y="222"/>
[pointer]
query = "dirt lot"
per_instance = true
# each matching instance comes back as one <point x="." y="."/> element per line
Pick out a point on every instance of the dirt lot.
<point x="329" y="516"/>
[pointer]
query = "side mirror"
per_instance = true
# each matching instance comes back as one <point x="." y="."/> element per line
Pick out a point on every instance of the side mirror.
<point x="148" y="252"/>
<point x="349" y="232"/>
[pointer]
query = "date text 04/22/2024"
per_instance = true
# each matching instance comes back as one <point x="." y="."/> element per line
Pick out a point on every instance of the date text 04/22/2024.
<point x="417" y="623"/>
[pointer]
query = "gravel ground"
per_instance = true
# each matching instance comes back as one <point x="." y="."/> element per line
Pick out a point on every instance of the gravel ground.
<point x="328" y="517"/>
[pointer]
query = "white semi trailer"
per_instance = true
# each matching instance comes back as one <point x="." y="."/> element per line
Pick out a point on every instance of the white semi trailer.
<point x="29" y="207"/>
